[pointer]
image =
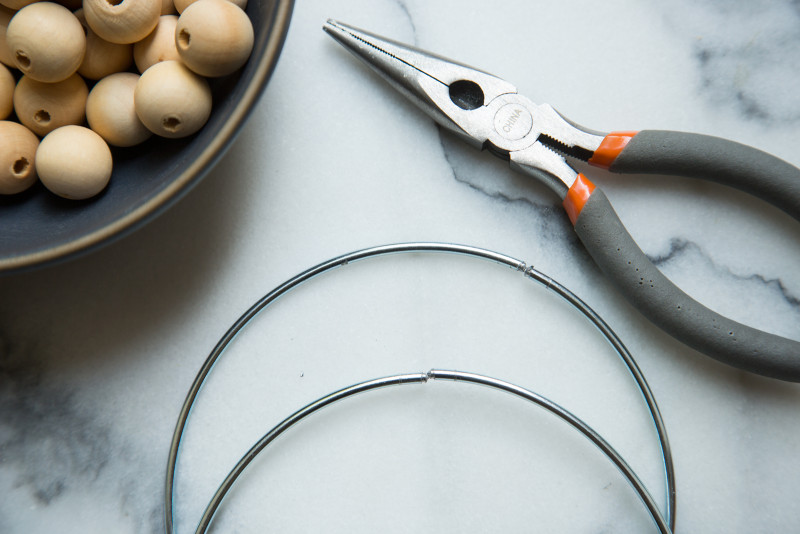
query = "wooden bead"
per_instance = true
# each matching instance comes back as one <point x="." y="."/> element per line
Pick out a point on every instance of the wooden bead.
<point x="171" y="100"/>
<point x="180" y="5"/>
<point x="74" y="162"/>
<point x="111" y="113"/>
<point x="43" y="107"/>
<point x="158" y="46"/>
<point x="7" y="84"/>
<point x="6" y="57"/>
<point x="102" y="58"/>
<point x="214" y="37"/>
<point x="47" y="41"/>
<point x="122" y="21"/>
<point x="17" y="158"/>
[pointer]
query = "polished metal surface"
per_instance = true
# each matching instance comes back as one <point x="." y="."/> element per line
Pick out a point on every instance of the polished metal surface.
<point x="482" y="109"/>
<point x="424" y="78"/>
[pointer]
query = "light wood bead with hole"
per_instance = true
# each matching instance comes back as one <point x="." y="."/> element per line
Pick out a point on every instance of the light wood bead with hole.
<point x="214" y="37"/>
<point x="158" y="46"/>
<point x="171" y="100"/>
<point x="47" y="41"/>
<point x="74" y="162"/>
<point x="43" y="107"/>
<point x="102" y="58"/>
<point x="122" y="21"/>
<point x="180" y="5"/>
<point x="17" y="158"/>
<point x="110" y="110"/>
<point x="7" y="85"/>
<point x="6" y="57"/>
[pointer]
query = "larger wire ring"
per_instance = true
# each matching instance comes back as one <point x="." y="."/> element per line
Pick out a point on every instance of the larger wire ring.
<point x="666" y="523"/>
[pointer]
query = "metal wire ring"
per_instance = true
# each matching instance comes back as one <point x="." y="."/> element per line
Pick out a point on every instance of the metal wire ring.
<point x="465" y="250"/>
<point x="416" y="378"/>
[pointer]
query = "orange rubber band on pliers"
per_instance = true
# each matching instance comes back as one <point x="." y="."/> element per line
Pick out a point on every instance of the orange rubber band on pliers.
<point x="610" y="148"/>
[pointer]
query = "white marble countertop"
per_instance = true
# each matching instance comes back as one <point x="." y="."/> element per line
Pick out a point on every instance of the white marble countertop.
<point x="97" y="354"/>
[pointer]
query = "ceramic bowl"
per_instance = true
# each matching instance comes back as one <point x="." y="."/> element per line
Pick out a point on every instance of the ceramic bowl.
<point x="39" y="228"/>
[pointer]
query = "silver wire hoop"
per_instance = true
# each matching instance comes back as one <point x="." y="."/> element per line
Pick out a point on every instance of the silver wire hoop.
<point x="665" y="522"/>
<point x="421" y="378"/>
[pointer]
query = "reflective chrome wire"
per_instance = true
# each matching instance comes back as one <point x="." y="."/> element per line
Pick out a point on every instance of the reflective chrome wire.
<point x="421" y="247"/>
<point x="456" y="376"/>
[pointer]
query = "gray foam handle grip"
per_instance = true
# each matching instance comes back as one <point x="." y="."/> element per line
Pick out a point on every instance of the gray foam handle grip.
<point x="715" y="159"/>
<point x="668" y="307"/>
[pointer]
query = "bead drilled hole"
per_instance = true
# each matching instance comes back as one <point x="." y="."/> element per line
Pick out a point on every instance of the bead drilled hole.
<point x="114" y="3"/>
<point x="42" y="117"/>
<point x="22" y="59"/>
<point x="171" y="124"/>
<point x="184" y="39"/>
<point x="20" y="167"/>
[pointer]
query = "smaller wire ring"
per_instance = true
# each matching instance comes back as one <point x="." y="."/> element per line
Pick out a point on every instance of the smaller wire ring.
<point x="416" y="378"/>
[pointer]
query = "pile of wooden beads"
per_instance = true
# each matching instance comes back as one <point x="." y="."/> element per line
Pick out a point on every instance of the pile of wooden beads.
<point x="48" y="53"/>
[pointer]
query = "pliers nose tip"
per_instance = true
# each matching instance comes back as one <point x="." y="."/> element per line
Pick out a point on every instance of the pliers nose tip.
<point x="446" y="90"/>
<point x="333" y="28"/>
<point x="343" y="34"/>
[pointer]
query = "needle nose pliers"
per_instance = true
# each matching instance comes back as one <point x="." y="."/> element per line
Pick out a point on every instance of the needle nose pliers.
<point x="489" y="113"/>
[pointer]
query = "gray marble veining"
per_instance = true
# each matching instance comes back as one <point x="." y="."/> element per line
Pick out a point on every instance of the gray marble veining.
<point x="96" y="354"/>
